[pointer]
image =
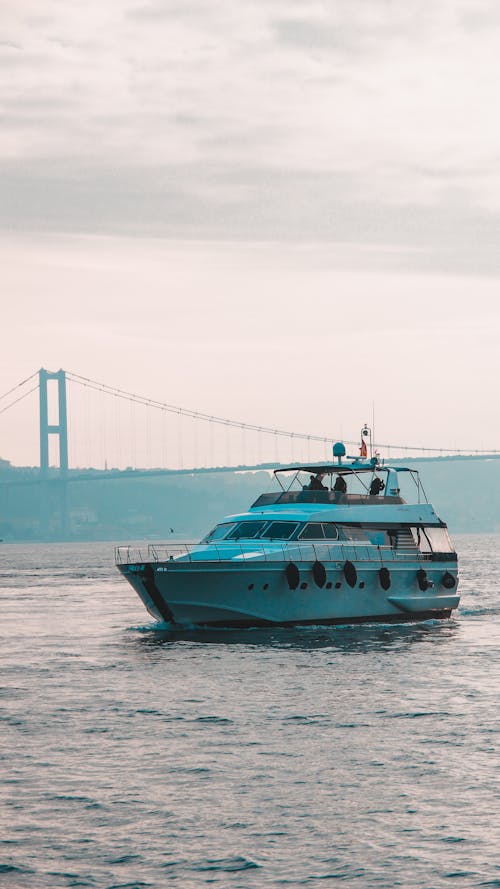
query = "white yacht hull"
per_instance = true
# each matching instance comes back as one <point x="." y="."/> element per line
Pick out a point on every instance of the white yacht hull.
<point x="238" y="594"/>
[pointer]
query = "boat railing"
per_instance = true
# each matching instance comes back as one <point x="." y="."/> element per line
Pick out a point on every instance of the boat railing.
<point x="329" y="497"/>
<point x="126" y="554"/>
<point x="259" y="551"/>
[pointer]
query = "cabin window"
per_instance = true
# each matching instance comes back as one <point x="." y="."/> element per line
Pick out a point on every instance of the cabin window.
<point x="246" y="529"/>
<point x="219" y="532"/>
<point x="318" y="531"/>
<point x="312" y="531"/>
<point x="279" y="530"/>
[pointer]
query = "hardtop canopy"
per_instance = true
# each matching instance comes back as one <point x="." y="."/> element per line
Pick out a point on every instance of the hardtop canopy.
<point x="352" y="468"/>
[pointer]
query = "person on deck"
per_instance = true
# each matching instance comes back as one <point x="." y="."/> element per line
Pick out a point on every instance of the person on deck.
<point x="376" y="486"/>
<point x="316" y="483"/>
<point x="340" y="486"/>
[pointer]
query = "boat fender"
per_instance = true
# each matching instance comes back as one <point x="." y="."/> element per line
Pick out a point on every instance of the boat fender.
<point x="350" y="574"/>
<point x="292" y="575"/>
<point x="422" y="579"/>
<point x="448" y="580"/>
<point x="385" y="578"/>
<point x="319" y="574"/>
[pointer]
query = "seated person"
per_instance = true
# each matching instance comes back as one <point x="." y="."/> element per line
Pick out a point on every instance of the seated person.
<point x="340" y="486"/>
<point x="376" y="486"/>
<point x="316" y="483"/>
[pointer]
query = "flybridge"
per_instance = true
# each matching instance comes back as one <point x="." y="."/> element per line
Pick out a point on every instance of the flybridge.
<point x="329" y="483"/>
<point x="377" y="482"/>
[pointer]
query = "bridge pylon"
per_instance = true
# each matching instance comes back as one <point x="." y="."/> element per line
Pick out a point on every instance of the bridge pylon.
<point x="46" y="430"/>
<point x="61" y="428"/>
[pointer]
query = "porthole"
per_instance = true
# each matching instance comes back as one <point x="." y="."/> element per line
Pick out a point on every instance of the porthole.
<point x="338" y="585"/>
<point x="266" y="586"/>
<point x="250" y="586"/>
<point x="329" y="585"/>
<point x="361" y="586"/>
<point x="303" y="585"/>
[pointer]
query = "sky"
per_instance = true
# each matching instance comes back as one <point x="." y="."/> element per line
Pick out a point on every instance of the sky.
<point x="286" y="213"/>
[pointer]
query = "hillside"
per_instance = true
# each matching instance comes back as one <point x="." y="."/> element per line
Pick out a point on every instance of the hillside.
<point x="465" y="493"/>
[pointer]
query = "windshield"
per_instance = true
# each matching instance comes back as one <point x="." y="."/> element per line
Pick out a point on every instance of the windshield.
<point x="251" y="529"/>
<point x="245" y="529"/>
<point x="219" y="532"/>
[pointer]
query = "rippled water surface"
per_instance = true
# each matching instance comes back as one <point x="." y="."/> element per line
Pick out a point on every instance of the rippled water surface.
<point x="133" y="757"/>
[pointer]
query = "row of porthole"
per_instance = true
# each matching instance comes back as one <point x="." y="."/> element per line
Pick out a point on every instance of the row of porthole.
<point x="304" y="585"/>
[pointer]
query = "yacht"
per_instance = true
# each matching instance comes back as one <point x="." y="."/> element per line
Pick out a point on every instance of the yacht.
<point x="335" y="543"/>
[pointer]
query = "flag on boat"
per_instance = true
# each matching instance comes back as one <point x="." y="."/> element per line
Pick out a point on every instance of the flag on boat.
<point x="363" y="451"/>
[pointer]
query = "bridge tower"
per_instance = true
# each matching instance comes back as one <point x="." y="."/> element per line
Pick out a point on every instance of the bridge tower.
<point x="61" y="428"/>
<point x="46" y="430"/>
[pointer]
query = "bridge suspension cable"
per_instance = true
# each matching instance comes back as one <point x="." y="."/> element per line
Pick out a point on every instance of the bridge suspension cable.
<point x="237" y="424"/>
<point x="196" y="415"/>
<point x="18" y="385"/>
<point x="21" y="397"/>
<point x="167" y="407"/>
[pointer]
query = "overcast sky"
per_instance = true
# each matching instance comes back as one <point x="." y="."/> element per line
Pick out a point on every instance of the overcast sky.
<point x="275" y="211"/>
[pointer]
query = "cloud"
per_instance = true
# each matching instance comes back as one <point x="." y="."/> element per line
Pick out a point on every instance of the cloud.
<point x="220" y="203"/>
<point x="161" y="11"/>
<point x="348" y="121"/>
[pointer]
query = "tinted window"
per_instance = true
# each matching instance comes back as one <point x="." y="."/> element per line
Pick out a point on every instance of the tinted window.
<point x="330" y="531"/>
<point x="220" y="531"/>
<point x="280" y="530"/>
<point x="246" y="529"/>
<point x="312" y="531"/>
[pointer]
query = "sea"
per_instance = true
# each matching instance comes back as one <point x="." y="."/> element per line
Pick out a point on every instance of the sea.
<point x="133" y="755"/>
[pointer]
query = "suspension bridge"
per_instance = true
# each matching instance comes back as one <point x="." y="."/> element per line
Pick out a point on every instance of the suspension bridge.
<point x="84" y="424"/>
<point x="76" y="429"/>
